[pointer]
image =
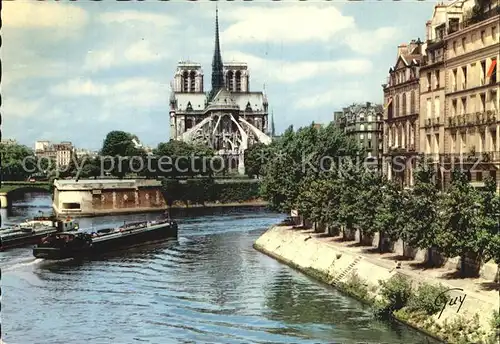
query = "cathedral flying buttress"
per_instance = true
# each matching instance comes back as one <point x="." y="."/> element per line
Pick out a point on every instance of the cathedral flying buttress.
<point x="229" y="119"/>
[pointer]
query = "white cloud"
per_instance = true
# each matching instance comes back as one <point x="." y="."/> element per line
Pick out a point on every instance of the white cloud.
<point x="135" y="17"/>
<point x="290" y="72"/>
<point x="125" y="92"/>
<point x="19" y="108"/>
<point x="344" y="93"/>
<point x="369" y="42"/>
<point x="38" y="14"/>
<point x="115" y="55"/>
<point x="285" y="24"/>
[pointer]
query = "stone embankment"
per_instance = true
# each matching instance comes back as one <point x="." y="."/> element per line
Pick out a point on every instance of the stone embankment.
<point x="335" y="262"/>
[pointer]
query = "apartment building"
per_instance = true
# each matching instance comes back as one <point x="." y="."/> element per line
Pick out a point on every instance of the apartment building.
<point x="61" y="153"/>
<point x="401" y="114"/>
<point x="472" y="126"/>
<point x="364" y="122"/>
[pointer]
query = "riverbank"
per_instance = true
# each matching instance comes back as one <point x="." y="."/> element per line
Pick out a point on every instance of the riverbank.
<point x="179" y="206"/>
<point x="354" y="270"/>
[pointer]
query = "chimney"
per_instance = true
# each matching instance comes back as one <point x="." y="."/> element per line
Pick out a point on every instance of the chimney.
<point x="368" y="104"/>
<point x="402" y="49"/>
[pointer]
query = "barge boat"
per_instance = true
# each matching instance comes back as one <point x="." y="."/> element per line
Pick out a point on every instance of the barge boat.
<point x="32" y="231"/>
<point x="81" y="244"/>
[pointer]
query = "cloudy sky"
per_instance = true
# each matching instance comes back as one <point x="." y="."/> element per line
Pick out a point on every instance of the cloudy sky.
<point x="75" y="71"/>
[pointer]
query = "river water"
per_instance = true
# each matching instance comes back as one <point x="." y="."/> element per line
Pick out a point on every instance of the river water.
<point x="209" y="286"/>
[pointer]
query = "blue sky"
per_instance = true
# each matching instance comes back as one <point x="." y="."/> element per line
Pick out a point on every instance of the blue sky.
<point x="75" y="71"/>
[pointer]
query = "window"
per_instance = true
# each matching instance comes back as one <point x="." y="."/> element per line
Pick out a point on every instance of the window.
<point x="493" y="100"/>
<point x="369" y="142"/>
<point x="482" y="74"/>
<point x="437" y="79"/>
<point x="437" y="107"/>
<point x="455" y="47"/>
<point x="463" y="44"/>
<point x="493" y="77"/>
<point x="494" y="33"/>
<point x="464" y="105"/>
<point x="428" y="81"/>
<point x="369" y="127"/>
<point x="483" y="36"/>
<point x="455" y="80"/>
<point x="361" y="136"/>
<point x="493" y="174"/>
<point x="429" y="108"/>
<point x="479" y="176"/>
<point x="483" y="102"/>
<point x="464" y="75"/>
<point x="454" y="107"/>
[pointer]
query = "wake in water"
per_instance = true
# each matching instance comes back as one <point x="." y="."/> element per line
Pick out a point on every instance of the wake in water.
<point x="30" y="262"/>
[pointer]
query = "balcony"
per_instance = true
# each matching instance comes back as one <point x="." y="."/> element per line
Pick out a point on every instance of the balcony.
<point x="472" y="17"/>
<point x="473" y="119"/>
<point x="490" y="157"/>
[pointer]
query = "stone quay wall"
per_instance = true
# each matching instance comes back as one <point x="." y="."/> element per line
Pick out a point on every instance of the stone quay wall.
<point x="334" y="265"/>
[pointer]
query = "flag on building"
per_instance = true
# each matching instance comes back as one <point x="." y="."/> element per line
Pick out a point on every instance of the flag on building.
<point x="492" y="67"/>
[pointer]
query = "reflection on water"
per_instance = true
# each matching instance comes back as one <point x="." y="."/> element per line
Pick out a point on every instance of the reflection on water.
<point x="208" y="286"/>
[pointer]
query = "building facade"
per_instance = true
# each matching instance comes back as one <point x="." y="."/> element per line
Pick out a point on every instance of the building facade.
<point x="61" y="152"/>
<point x="401" y="114"/>
<point x="460" y="90"/>
<point x="229" y="118"/>
<point x="364" y="122"/>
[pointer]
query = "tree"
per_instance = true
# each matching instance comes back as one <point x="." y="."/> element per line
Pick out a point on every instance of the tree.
<point x="181" y="159"/>
<point x="119" y="143"/>
<point x="490" y="221"/>
<point x="18" y="162"/>
<point x="350" y="180"/>
<point x="118" y="148"/>
<point x="390" y="214"/>
<point x="463" y="233"/>
<point x="367" y="199"/>
<point x="422" y="225"/>
<point x="255" y="158"/>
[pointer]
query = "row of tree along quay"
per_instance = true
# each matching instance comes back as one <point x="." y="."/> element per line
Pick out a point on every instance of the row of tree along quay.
<point x="459" y="221"/>
<point x="188" y="174"/>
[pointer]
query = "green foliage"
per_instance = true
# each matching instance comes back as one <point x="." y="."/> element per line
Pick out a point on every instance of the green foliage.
<point x="421" y="223"/>
<point x="424" y="298"/>
<point x="390" y="214"/>
<point x="201" y="191"/>
<point x="177" y="159"/>
<point x="119" y="143"/>
<point x="495" y="321"/>
<point x="465" y="232"/>
<point x="356" y="287"/>
<point x="18" y="162"/>
<point x="395" y="294"/>
<point x="368" y="198"/>
<point x="255" y="157"/>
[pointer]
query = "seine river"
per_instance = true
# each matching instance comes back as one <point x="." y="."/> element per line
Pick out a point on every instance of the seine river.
<point x="209" y="286"/>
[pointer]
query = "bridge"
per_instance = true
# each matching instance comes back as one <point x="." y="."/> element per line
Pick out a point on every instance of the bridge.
<point x="20" y="187"/>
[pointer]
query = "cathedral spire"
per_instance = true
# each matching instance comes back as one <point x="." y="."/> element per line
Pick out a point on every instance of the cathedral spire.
<point x="217" y="66"/>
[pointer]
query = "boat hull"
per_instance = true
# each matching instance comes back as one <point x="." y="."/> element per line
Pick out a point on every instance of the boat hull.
<point x="33" y="239"/>
<point x="125" y="240"/>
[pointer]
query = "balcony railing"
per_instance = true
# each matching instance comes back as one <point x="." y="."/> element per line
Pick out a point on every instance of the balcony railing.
<point x="472" y="119"/>
<point x="472" y="18"/>
<point x="481" y="157"/>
